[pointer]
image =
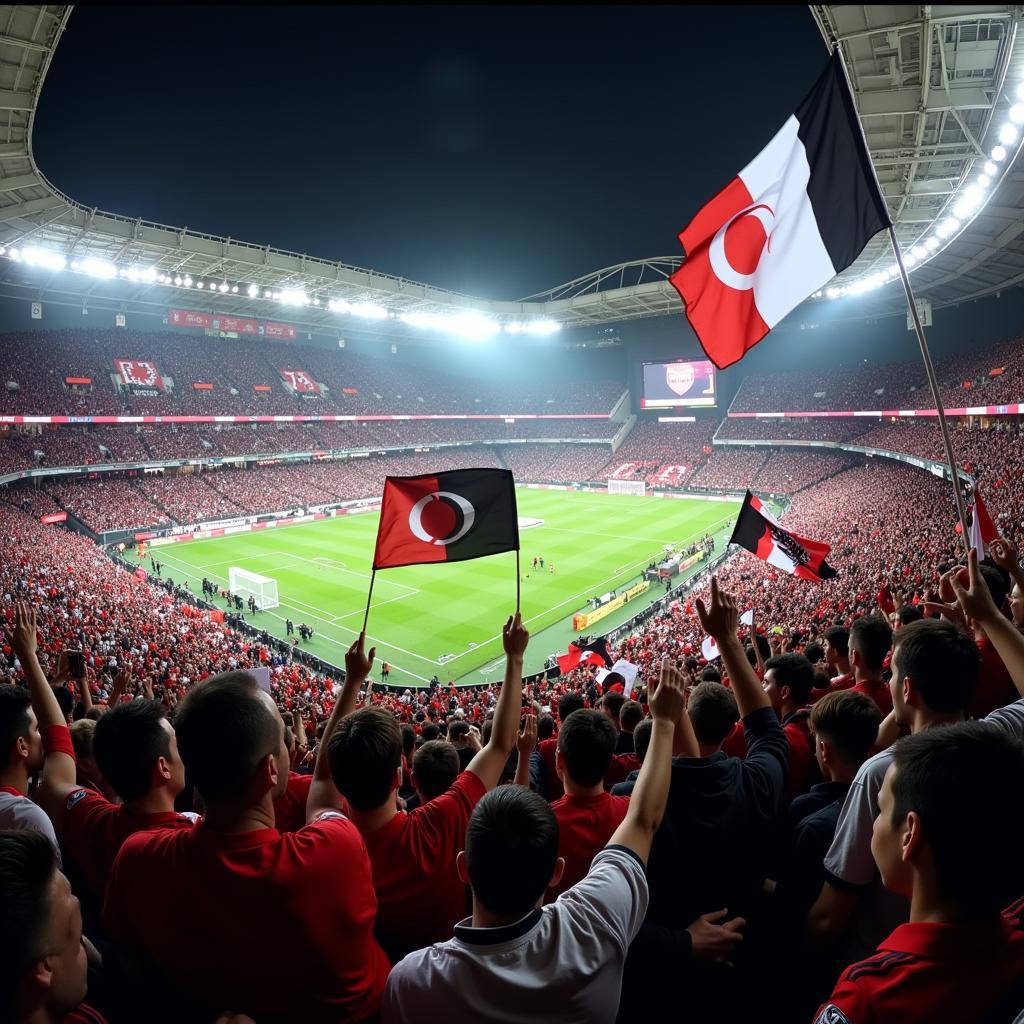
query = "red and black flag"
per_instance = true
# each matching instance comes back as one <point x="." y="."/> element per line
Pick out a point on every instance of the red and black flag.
<point x="759" y="532"/>
<point x="593" y="653"/>
<point x="798" y="214"/>
<point x="446" y="517"/>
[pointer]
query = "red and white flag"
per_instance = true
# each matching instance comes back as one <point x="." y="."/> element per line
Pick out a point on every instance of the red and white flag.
<point x="983" y="530"/>
<point x="139" y="373"/>
<point x="760" y="533"/>
<point x="798" y="214"/>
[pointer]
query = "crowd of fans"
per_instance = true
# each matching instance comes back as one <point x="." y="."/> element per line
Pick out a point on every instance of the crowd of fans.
<point x="662" y="454"/>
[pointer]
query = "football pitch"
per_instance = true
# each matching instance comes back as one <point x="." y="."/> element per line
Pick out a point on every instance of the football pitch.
<point x="447" y="619"/>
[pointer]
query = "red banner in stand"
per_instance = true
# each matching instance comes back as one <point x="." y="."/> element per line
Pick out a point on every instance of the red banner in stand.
<point x="236" y="325"/>
<point x="274" y="330"/>
<point x="190" y="318"/>
<point x="300" y="381"/>
<point x="261" y="387"/>
<point x="139" y="373"/>
<point x="54" y="517"/>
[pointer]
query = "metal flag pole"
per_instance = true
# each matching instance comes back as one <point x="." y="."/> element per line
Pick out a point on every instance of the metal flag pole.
<point x="517" y="581"/>
<point x="929" y="369"/>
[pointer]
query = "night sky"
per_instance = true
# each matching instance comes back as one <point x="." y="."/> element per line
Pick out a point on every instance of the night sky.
<point x="493" y="150"/>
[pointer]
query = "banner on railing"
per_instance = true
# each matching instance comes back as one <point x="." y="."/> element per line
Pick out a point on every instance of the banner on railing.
<point x="190" y="318"/>
<point x="275" y="330"/>
<point x="236" y="325"/>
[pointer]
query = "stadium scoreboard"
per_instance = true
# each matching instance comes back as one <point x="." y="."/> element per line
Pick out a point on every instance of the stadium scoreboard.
<point x="683" y="383"/>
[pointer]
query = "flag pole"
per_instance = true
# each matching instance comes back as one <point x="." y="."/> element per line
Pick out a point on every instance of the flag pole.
<point x="369" y="596"/>
<point x="922" y="342"/>
<point x="517" y="581"/>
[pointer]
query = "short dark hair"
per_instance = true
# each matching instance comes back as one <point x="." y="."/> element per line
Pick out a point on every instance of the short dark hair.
<point x="814" y="653"/>
<point x="587" y="742"/>
<point x="838" y="638"/>
<point x="956" y="777"/>
<point x="15" y="720"/>
<point x="871" y="638"/>
<point x="612" y="703"/>
<point x="408" y="739"/>
<point x="224" y="730"/>
<point x="430" y="732"/>
<point x="568" y="703"/>
<point x="364" y="753"/>
<point x="458" y="730"/>
<point x="511" y="849"/>
<point x="909" y="613"/>
<point x="545" y="727"/>
<point x="713" y="712"/>
<point x="128" y="739"/>
<point x="794" y="671"/>
<point x="847" y="721"/>
<point x="997" y="580"/>
<point x="65" y="700"/>
<point x="710" y="674"/>
<point x="941" y="661"/>
<point x="642" y="738"/>
<point x="27" y="867"/>
<point x="435" y="767"/>
<point x="631" y="714"/>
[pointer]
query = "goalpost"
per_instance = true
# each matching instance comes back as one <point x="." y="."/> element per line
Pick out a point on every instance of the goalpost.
<point x="250" y="584"/>
<point x="627" y="487"/>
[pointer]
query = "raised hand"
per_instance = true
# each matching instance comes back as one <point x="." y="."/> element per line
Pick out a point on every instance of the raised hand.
<point x="948" y="607"/>
<point x="357" y="663"/>
<point x="527" y="738"/>
<point x="23" y="637"/>
<point x="668" y="699"/>
<point x="1004" y="553"/>
<point x="976" y="600"/>
<point x="514" y="637"/>
<point x="720" y="619"/>
<point x="712" y="942"/>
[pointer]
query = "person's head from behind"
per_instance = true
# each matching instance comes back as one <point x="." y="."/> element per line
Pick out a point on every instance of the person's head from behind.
<point x="934" y="668"/>
<point x="611" y="703"/>
<point x="788" y="681"/>
<point x="568" y="703"/>
<point x="435" y="766"/>
<point x="642" y="738"/>
<point x="713" y="712"/>
<point x="586" y="744"/>
<point x="137" y="751"/>
<point x="997" y="580"/>
<point x="710" y="674"/>
<point x="430" y="732"/>
<point x="845" y="727"/>
<point x="511" y="854"/>
<point x="545" y="728"/>
<point x="83" y="733"/>
<point x="42" y="959"/>
<point x="458" y="731"/>
<point x="231" y="737"/>
<point x="65" y="701"/>
<point x="365" y="756"/>
<point x="21" y="745"/>
<point x="837" y="645"/>
<point x="870" y="640"/>
<point x="944" y="828"/>
<point x="631" y="715"/>
<point x="815" y="653"/>
<point x="909" y="613"/>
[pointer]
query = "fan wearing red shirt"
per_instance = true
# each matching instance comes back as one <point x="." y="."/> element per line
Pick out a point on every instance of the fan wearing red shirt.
<point x="788" y="680"/>
<point x="870" y="642"/>
<point x="278" y="926"/>
<point x="946" y="839"/>
<point x="135" y="749"/>
<point x="548" y="749"/>
<point x="587" y="815"/>
<point x="420" y="895"/>
<point x="836" y="642"/>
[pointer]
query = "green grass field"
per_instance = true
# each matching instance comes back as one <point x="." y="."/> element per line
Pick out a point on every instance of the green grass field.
<point x="447" y="619"/>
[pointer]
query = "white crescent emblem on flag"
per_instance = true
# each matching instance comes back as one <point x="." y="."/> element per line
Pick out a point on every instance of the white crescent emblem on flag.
<point x="416" y="517"/>
<point x="723" y="269"/>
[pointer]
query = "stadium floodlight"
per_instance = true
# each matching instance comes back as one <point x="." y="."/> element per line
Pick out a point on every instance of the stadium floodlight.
<point x="984" y="180"/>
<point x="998" y="154"/>
<point x="267" y="293"/>
<point x="990" y="168"/>
<point x="316" y="302"/>
<point x="223" y="286"/>
<point x="199" y="284"/>
<point x="536" y="327"/>
<point x="931" y="243"/>
<point x="96" y="267"/>
<point x="368" y="310"/>
<point x="177" y="281"/>
<point x="13" y="253"/>
<point x="472" y="325"/>
<point x="1007" y="135"/>
<point x="234" y="289"/>
<point x="294" y="297"/>
<point x="1016" y="113"/>
<point x="37" y="257"/>
<point x="252" y="291"/>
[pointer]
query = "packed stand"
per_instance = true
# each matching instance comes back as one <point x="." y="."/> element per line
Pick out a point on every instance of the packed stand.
<point x="661" y="454"/>
<point x="729" y="469"/>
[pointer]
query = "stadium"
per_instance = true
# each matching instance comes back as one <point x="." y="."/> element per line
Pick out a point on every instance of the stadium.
<point x="648" y="639"/>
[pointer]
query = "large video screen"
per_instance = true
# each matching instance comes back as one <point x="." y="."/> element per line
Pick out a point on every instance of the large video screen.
<point x="680" y="384"/>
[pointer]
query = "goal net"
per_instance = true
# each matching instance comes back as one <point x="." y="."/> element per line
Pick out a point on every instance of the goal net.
<point x="250" y="584"/>
<point x="627" y="487"/>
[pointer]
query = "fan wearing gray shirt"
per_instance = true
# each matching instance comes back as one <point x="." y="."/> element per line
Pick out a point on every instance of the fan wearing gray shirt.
<point x="516" y="960"/>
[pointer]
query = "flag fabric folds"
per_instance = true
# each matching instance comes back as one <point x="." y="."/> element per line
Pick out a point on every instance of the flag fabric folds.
<point x="446" y="517"/>
<point x="798" y="214"/>
<point x="759" y="532"/>
<point x="983" y="530"/>
<point x="594" y="653"/>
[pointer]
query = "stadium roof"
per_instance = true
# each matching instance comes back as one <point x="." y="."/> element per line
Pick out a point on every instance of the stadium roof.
<point x="935" y="85"/>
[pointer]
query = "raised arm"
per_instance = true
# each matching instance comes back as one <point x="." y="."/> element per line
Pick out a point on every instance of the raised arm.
<point x="977" y="604"/>
<point x="719" y="621"/>
<point x="1005" y="555"/>
<point x="487" y="765"/>
<point x="322" y="794"/>
<point x="59" y="768"/>
<point x="647" y="802"/>
<point x="525" y="742"/>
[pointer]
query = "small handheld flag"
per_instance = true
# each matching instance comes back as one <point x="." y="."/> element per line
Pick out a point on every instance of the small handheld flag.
<point x="759" y="532"/>
<point x="798" y="214"/>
